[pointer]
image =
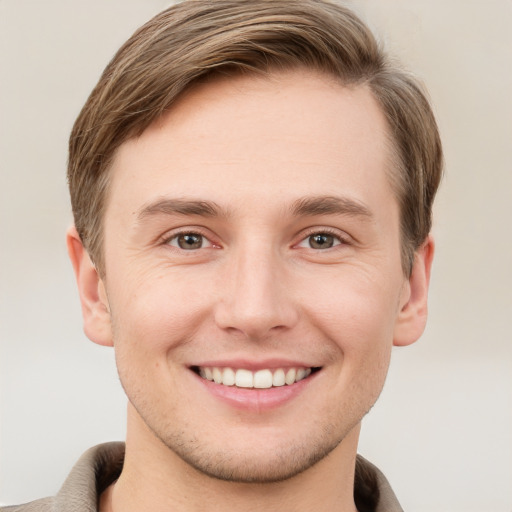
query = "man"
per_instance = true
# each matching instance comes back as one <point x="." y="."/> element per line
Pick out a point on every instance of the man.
<point x="252" y="185"/>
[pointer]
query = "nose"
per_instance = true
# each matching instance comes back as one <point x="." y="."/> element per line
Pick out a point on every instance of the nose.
<point x="256" y="299"/>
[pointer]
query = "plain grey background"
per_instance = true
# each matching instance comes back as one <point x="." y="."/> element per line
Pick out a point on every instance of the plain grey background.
<point x="442" y="430"/>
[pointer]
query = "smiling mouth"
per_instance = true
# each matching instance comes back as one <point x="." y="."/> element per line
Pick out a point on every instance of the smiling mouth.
<point x="260" y="379"/>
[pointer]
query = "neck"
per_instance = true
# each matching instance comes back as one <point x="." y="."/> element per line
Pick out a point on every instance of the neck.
<point x="155" y="478"/>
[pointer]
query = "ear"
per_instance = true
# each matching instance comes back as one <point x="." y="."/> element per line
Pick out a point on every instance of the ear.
<point x="93" y="296"/>
<point x="412" y="316"/>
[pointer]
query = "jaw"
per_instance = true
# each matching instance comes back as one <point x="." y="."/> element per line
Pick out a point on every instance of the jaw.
<point x="229" y="482"/>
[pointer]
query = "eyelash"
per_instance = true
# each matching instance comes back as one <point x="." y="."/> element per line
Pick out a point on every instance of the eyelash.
<point x="341" y="240"/>
<point x="167" y="239"/>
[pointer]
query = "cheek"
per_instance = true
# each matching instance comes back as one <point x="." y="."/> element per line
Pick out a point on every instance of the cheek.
<point x="357" y="314"/>
<point x="153" y="318"/>
<point x="147" y="327"/>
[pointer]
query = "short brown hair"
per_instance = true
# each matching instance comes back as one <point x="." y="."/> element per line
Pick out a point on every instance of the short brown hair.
<point x="197" y="38"/>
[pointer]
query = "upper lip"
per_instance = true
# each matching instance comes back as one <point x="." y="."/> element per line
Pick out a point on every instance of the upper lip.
<point x="246" y="364"/>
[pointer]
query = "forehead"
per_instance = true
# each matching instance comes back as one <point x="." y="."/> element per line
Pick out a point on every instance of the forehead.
<point x="275" y="135"/>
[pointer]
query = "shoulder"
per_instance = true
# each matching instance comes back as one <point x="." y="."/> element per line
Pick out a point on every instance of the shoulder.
<point x="96" y="469"/>
<point x="372" y="492"/>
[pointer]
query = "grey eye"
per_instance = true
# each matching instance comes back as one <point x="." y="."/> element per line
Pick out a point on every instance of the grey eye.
<point x="321" y="241"/>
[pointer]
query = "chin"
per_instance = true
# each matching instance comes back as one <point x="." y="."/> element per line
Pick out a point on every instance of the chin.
<point x="267" y="457"/>
<point x="278" y="466"/>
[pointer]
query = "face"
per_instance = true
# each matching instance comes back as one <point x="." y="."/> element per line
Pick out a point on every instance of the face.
<point x="253" y="284"/>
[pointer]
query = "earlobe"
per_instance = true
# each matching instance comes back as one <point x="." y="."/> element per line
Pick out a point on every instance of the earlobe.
<point x="91" y="288"/>
<point x="412" y="316"/>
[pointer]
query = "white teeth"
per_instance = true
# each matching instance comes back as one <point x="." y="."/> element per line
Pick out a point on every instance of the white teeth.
<point x="278" y="378"/>
<point x="290" y="376"/>
<point x="228" y="377"/>
<point x="261" y="379"/>
<point x="217" y="376"/>
<point x="244" y="379"/>
<point x="301" y="373"/>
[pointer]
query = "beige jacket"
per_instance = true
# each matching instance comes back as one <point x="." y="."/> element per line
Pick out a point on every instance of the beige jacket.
<point x="101" y="465"/>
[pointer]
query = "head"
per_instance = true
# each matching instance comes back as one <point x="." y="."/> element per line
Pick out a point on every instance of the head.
<point x="253" y="182"/>
<point x="183" y="45"/>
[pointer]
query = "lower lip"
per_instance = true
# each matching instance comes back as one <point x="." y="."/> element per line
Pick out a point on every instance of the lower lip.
<point x="253" y="399"/>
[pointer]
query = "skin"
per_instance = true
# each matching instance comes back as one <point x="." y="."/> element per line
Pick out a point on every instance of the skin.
<point x="258" y="291"/>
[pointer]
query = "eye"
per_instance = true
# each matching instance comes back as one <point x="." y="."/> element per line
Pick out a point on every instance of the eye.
<point x="189" y="241"/>
<point x="322" y="240"/>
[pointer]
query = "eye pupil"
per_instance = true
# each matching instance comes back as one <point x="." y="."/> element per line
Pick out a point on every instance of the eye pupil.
<point x="190" y="241"/>
<point x="321" y="241"/>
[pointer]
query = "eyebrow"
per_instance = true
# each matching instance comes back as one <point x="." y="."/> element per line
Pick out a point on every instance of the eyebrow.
<point x="330" y="205"/>
<point x="302" y="207"/>
<point x="173" y="206"/>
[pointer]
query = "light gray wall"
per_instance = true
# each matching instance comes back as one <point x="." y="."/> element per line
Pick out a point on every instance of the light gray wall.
<point x="442" y="431"/>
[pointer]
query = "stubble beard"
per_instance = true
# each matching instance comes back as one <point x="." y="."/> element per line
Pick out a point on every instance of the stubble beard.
<point x="283" y="466"/>
<point x="284" y="462"/>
